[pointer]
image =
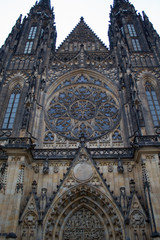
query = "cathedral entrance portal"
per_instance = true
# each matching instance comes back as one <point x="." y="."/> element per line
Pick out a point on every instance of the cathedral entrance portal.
<point x="83" y="225"/>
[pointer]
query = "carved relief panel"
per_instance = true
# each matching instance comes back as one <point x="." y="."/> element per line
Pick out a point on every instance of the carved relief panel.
<point x="83" y="225"/>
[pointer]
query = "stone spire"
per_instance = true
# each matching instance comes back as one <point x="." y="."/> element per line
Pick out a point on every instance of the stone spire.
<point x="119" y="2"/>
<point x="45" y="3"/>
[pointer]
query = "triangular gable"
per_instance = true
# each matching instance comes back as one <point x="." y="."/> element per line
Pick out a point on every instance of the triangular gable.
<point x="136" y="206"/>
<point x="30" y="207"/>
<point x="82" y="34"/>
<point x="83" y="171"/>
<point x="82" y="187"/>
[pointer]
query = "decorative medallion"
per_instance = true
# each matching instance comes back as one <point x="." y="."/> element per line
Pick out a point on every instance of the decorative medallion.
<point x="82" y="109"/>
<point x="83" y="171"/>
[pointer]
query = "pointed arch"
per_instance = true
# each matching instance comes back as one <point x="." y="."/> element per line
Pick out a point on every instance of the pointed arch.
<point x="90" y="75"/>
<point x="11" y="110"/>
<point x="83" y="197"/>
<point x="84" y="220"/>
<point x="29" y="225"/>
<point x="153" y="103"/>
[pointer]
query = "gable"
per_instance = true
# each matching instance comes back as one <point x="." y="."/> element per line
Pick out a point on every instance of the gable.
<point x="82" y="35"/>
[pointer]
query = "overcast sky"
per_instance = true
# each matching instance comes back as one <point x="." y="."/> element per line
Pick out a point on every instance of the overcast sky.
<point x="68" y="13"/>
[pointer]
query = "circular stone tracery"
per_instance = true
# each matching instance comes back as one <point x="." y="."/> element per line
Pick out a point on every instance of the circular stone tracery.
<point x="82" y="109"/>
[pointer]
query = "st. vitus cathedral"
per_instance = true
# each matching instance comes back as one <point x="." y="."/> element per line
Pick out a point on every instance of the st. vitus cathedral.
<point x="79" y="129"/>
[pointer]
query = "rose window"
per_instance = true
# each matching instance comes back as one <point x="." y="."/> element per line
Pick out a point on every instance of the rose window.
<point x="82" y="109"/>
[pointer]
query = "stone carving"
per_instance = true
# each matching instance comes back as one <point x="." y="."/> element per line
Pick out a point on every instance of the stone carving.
<point x="116" y="136"/>
<point x="29" y="226"/>
<point x="132" y="185"/>
<point x="3" y="178"/>
<point x="43" y="200"/>
<point x="25" y="117"/>
<point x="36" y="168"/>
<point x="120" y="167"/>
<point x="83" y="171"/>
<point x="2" y="169"/>
<point x="150" y="157"/>
<point x="82" y="110"/>
<point x="137" y="219"/>
<point x="34" y="186"/>
<point x="56" y="169"/>
<point x="49" y="136"/>
<point x="31" y="205"/>
<point x="144" y="235"/>
<point x="83" y="224"/>
<point x="123" y="199"/>
<point x="129" y="167"/>
<point x="110" y="167"/>
<point x="70" y="182"/>
<point x="45" y="167"/>
<point x="16" y="159"/>
<point x="96" y="181"/>
<point x="20" y="180"/>
<point x="136" y="235"/>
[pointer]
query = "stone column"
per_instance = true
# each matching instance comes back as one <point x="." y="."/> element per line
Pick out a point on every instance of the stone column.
<point x="151" y="173"/>
<point x="13" y="194"/>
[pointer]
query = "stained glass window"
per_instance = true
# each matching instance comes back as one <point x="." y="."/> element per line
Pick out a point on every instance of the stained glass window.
<point x="12" y="108"/>
<point x="82" y="108"/>
<point x="153" y="104"/>
<point x="32" y="33"/>
<point x="131" y="30"/>
<point x="28" y="47"/>
<point x="136" y="45"/>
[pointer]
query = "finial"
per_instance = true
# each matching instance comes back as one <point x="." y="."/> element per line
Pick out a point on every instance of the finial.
<point x="82" y="19"/>
<point x="45" y="3"/>
<point x="118" y="2"/>
<point x="82" y="139"/>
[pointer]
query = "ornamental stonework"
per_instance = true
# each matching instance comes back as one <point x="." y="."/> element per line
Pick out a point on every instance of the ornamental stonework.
<point x="83" y="224"/>
<point x="82" y="109"/>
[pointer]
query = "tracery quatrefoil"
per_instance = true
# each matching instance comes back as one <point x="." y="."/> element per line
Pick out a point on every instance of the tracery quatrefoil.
<point x="82" y="109"/>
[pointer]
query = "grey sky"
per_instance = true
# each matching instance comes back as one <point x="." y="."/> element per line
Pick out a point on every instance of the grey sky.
<point x="68" y="13"/>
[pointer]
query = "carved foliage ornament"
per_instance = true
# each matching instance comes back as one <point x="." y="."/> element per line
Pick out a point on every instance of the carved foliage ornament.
<point x="137" y="219"/>
<point x="82" y="109"/>
<point x="83" y="224"/>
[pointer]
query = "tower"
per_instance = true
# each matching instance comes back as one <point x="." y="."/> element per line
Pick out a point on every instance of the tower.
<point x="79" y="129"/>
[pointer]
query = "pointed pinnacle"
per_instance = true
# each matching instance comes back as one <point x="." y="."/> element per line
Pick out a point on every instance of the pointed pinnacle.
<point x="45" y="3"/>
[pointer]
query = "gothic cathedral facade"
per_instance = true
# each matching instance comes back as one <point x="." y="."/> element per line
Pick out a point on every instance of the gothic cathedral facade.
<point x="79" y="129"/>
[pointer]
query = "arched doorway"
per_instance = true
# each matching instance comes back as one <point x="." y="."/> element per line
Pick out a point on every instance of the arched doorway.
<point x="83" y="213"/>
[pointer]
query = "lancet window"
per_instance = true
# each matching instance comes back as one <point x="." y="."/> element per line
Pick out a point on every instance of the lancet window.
<point x="12" y="108"/>
<point x="31" y="37"/>
<point x="136" y="45"/>
<point x="132" y="31"/>
<point x="28" y="47"/>
<point x="153" y="103"/>
<point x="32" y="33"/>
<point x="133" y="35"/>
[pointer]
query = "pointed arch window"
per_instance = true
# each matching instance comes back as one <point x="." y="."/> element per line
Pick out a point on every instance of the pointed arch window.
<point x="32" y="32"/>
<point x="28" y="47"/>
<point x="136" y="45"/>
<point x="135" y="41"/>
<point x="12" y="108"/>
<point x="132" y="31"/>
<point x="153" y="103"/>
<point x="31" y="37"/>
